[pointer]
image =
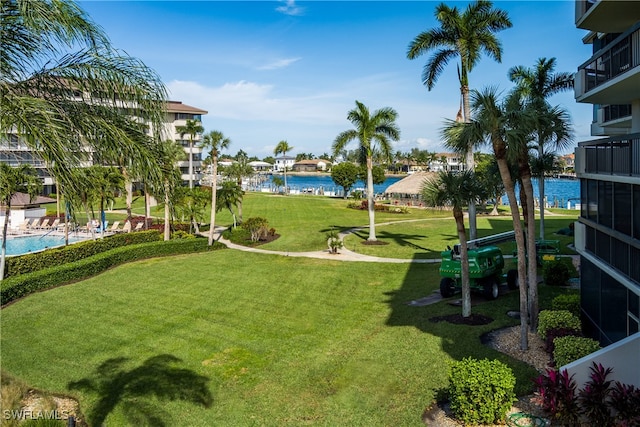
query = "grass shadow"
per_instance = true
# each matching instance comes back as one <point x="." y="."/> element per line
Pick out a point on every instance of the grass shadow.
<point x="139" y="390"/>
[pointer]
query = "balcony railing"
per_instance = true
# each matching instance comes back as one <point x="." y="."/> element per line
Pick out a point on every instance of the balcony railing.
<point x="614" y="60"/>
<point x="612" y="156"/>
<point x="615" y="112"/>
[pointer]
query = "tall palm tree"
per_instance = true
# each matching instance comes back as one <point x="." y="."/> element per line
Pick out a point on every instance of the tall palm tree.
<point x="230" y="195"/>
<point x="215" y="141"/>
<point x="465" y="35"/>
<point x="14" y="180"/>
<point x="62" y="86"/>
<point x="191" y="128"/>
<point x="494" y="123"/>
<point x="536" y="85"/>
<point x="169" y="152"/>
<point x="456" y="190"/>
<point x="282" y="148"/>
<point x="373" y="132"/>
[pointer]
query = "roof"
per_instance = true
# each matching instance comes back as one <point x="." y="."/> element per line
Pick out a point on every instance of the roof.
<point x="312" y="162"/>
<point x="259" y="163"/>
<point x="22" y="200"/>
<point x="179" y="107"/>
<point x="412" y="184"/>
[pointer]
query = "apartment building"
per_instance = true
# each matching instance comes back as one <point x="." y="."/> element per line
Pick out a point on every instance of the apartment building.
<point x="608" y="229"/>
<point x="14" y="151"/>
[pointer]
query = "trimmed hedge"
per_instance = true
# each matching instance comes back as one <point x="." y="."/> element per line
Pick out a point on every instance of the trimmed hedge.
<point x="481" y="391"/>
<point x="568" y="349"/>
<point x="553" y="319"/>
<point x="569" y="302"/>
<point x="30" y="263"/>
<point x="25" y="284"/>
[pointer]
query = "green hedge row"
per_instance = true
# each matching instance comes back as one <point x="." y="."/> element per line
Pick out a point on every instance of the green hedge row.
<point x="20" y="286"/>
<point x="30" y="263"/>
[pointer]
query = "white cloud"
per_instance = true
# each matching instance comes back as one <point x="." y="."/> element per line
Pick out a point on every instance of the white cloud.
<point x="280" y="63"/>
<point x="290" y="8"/>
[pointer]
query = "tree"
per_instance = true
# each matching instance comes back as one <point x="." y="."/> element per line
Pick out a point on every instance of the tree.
<point x="377" y="173"/>
<point x="12" y="181"/>
<point x="488" y="176"/>
<point x="215" y="141"/>
<point x="169" y="152"/>
<point x="107" y="182"/>
<point x="373" y="132"/>
<point x="229" y="196"/>
<point x="495" y="123"/>
<point x="60" y="77"/>
<point x="191" y="203"/>
<point x="238" y="170"/>
<point x="465" y="35"/>
<point x="282" y="148"/>
<point x="456" y="190"/>
<point x="345" y="174"/>
<point x="191" y="128"/>
<point x="536" y="85"/>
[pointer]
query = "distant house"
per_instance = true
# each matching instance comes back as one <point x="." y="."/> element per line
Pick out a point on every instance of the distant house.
<point x="315" y="165"/>
<point x="22" y="208"/>
<point x="447" y="162"/>
<point x="283" y="162"/>
<point x="259" y="166"/>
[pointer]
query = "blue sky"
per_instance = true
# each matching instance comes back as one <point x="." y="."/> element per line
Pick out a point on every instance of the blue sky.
<point x="268" y="71"/>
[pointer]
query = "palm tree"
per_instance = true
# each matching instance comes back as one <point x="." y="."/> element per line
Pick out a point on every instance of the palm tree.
<point x="373" y="133"/>
<point x="169" y="152"/>
<point x="465" y="35"/>
<point x="64" y="103"/>
<point x="106" y="183"/>
<point x="191" y="128"/>
<point x="282" y="148"/>
<point x="495" y="123"/>
<point x="456" y="190"/>
<point x="215" y="141"/>
<point x="238" y="170"/>
<point x="536" y="85"/>
<point x="14" y="180"/>
<point x="229" y="196"/>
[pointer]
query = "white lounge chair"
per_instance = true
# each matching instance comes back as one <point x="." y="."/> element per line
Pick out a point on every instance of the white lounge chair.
<point x="44" y="225"/>
<point x="139" y="226"/>
<point x="114" y="227"/>
<point x="126" y="228"/>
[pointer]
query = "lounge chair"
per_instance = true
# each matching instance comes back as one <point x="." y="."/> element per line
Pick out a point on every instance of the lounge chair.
<point x="24" y="227"/>
<point x="44" y="225"/>
<point x="126" y="228"/>
<point x="139" y="226"/>
<point x="114" y="227"/>
<point x="54" y="224"/>
<point x="35" y="224"/>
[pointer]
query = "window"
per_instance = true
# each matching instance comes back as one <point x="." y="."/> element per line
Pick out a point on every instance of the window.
<point x="605" y="195"/>
<point x="636" y="212"/>
<point x="622" y="207"/>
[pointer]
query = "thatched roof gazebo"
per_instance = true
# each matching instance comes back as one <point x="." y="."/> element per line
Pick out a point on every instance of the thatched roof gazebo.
<point x="408" y="190"/>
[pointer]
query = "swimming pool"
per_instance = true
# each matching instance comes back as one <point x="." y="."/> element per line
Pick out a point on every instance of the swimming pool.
<point x="25" y="244"/>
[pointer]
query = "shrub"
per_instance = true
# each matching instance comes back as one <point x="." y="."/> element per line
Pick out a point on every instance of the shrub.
<point x="257" y="227"/>
<point x="554" y="333"/>
<point x="552" y="319"/>
<point x="569" y="302"/>
<point x="179" y="234"/>
<point x="570" y="348"/>
<point x="29" y="263"/>
<point x="25" y="284"/>
<point x="556" y="273"/>
<point x="481" y="391"/>
<point x="625" y="402"/>
<point x="557" y="391"/>
<point x="593" y="398"/>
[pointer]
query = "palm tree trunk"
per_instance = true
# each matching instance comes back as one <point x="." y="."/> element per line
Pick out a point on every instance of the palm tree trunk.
<point x="503" y="167"/>
<point x="541" y="190"/>
<point x="214" y="189"/>
<point x="167" y="215"/>
<point x="464" y="263"/>
<point x="3" y="253"/>
<point x="470" y="161"/>
<point x="371" y="202"/>
<point x="190" y="163"/>
<point x="527" y="188"/>
<point x="129" y="190"/>
<point x="147" y="206"/>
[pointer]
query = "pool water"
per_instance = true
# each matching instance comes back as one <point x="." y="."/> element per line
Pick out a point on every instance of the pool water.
<point x="25" y="244"/>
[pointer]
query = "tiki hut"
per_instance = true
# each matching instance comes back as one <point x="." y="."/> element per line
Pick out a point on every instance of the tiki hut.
<point x="407" y="191"/>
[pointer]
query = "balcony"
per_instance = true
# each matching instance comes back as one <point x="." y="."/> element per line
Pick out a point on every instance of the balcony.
<point x="606" y="16"/>
<point x="611" y="120"/>
<point x="612" y="75"/>
<point x="618" y="155"/>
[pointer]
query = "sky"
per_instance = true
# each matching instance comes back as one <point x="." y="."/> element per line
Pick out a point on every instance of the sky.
<point x="268" y="71"/>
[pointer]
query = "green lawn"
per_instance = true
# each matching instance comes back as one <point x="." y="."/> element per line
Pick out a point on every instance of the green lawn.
<point x="236" y="338"/>
<point x="260" y="339"/>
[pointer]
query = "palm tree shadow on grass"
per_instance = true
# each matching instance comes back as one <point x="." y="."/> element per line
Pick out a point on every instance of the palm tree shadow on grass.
<point x="117" y="383"/>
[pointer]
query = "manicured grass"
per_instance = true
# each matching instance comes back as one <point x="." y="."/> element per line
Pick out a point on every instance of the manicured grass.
<point x="262" y="339"/>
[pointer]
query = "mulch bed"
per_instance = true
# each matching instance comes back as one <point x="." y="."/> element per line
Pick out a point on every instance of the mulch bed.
<point x="457" y="319"/>
<point x="374" y="243"/>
